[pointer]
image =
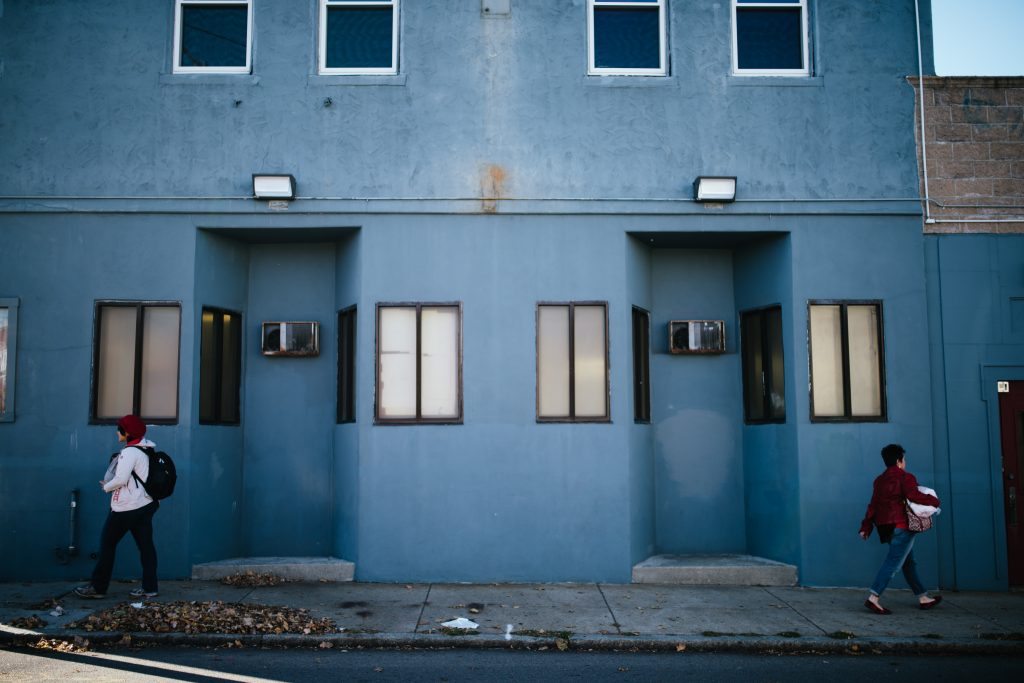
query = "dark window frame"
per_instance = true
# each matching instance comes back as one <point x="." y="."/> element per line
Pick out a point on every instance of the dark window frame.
<point x="140" y="307"/>
<point x="571" y="418"/>
<point x="347" y="322"/>
<point x="219" y="366"/>
<point x="766" y="384"/>
<point x="419" y="419"/>
<point x="847" y="416"/>
<point x="641" y="323"/>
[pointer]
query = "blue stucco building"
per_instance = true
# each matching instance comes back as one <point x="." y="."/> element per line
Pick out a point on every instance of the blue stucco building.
<point x="494" y="226"/>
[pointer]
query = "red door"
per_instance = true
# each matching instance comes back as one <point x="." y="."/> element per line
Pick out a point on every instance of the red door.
<point x="1011" y="421"/>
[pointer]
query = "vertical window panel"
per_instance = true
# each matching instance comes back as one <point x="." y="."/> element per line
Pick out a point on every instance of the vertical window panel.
<point x="231" y="368"/>
<point x="159" y="391"/>
<point x="753" y="367"/>
<point x="589" y="361"/>
<point x="865" y="370"/>
<point x="208" y="367"/>
<point x="439" y="358"/>
<point x="764" y="375"/>
<point x="347" y="365"/>
<point x="827" y="361"/>
<point x="777" y="377"/>
<point x="553" y="361"/>
<point x="641" y="365"/>
<point x="8" y="356"/>
<point x="397" y="385"/>
<point x="116" y="362"/>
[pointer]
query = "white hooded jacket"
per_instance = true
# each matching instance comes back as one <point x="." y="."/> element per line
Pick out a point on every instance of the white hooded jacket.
<point x="128" y="493"/>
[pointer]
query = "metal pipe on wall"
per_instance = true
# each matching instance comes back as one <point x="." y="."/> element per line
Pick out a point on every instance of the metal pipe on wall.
<point x="64" y="555"/>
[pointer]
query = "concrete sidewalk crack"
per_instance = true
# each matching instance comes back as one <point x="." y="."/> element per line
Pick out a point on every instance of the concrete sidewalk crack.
<point x="423" y="608"/>
<point x="615" y="621"/>
<point x="802" y="615"/>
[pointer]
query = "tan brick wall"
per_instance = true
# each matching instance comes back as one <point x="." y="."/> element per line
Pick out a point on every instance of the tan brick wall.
<point x="974" y="135"/>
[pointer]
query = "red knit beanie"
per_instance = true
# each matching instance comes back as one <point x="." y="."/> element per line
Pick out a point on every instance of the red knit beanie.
<point x="132" y="426"/>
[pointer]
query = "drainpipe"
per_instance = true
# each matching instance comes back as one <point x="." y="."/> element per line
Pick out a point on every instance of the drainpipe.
<point x="920" y="95"/>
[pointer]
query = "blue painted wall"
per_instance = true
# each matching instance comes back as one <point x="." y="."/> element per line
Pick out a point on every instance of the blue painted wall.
<point x="974" y="281"/>
<point x="398" y="179"/>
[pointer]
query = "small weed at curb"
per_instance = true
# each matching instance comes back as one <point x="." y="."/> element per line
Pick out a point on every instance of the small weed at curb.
<point x="788" y="634"/>
<point x="1003" y="636"/>
<point x="719" y="634"/>
<point x="542" y="633"/>
<point x="457" y="631"/>
<point x="841" y="635"/>
<point x="932" y="636"/>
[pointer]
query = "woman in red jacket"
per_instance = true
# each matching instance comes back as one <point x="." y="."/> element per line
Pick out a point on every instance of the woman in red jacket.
<point x="887" y="511"/>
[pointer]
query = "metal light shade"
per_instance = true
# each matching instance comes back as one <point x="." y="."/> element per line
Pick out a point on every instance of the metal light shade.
<point x="280" y="186"/>
<point x="714" y="189"/>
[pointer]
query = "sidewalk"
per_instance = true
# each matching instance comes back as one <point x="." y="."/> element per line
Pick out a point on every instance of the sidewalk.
<point x="562" y="616"/>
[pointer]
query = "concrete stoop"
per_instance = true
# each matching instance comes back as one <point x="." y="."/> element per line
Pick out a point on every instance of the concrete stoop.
<point x="291" y="568"/>
<point x="708" y="570"/>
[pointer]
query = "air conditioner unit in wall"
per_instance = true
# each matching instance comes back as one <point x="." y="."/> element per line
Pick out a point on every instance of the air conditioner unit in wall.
<point x="696" y="336"/>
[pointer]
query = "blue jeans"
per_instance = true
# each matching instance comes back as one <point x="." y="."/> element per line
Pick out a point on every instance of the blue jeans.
<point x="140" y="524"/>
<point x="901" y="554"/>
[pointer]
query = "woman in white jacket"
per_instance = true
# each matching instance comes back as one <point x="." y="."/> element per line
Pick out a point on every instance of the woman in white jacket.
<point x="131" y="510"/>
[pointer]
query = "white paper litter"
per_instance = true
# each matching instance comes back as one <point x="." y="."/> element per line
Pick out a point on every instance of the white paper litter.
<point x="508" y="631"/>
<point x="461" y="622"/>
<point x="137" y="605"/>
<point x="57" y="611"/>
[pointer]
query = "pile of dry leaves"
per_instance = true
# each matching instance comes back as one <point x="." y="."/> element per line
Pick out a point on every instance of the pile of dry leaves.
<point x="251" y="579"/>
<point x="27" y="622"/>
<point x="205" y="617"/>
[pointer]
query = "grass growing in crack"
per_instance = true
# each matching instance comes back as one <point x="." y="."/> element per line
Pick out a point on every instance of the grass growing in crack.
<point x="542" y="633"/>
<point x="718" y="634"/>
<point x="788" y="634"/>
<point x="841" y="635"/>
<point x="932" y="636"/>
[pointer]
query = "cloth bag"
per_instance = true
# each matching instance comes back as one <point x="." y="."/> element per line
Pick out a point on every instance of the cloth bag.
<point x="919" y="517"/>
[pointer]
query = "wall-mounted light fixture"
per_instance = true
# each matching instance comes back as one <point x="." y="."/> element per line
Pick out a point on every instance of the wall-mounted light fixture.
<point x="278" y="186"/>
<point x="714" y="188"/>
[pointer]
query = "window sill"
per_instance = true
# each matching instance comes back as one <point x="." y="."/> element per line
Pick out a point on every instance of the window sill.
<point x="209" y="79"/>
<point x="740" y="80"/>
<point x="598" y="81"/>
<point x="355" y="79"/>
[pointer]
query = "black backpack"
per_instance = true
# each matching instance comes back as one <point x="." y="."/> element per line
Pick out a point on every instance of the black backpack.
<point x="162" y="475"/>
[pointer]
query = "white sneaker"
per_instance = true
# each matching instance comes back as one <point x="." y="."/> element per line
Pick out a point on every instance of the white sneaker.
<point x="139" y="593"/>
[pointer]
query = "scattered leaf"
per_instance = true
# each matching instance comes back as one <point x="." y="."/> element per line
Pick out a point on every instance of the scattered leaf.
<point x="251" y="579"/>
<point x="27" y="622"/>
<point x="681" y="647"/>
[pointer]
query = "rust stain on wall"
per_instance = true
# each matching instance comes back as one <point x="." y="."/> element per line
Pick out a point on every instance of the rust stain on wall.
<point x="492" y="187"/>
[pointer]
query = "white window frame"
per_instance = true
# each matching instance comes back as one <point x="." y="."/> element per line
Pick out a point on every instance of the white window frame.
<point x="662" y="70"/>
<point x="805" y="43"/>
<point x="179" y="69"/>
<point x="323" y="69"/>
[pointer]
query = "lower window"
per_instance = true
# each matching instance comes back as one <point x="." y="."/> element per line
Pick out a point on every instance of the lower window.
<point x="135" y="365"/>
<point x="220" y="367"/>
<point x="764" y="377"/>
<point x="847" y="369"/>
<point x="419" y="363"/>
<point x="641" y="365"/>
<point x="8" y="362"/>
<point x="347" y="365"/>
<point x="572" y="362"/>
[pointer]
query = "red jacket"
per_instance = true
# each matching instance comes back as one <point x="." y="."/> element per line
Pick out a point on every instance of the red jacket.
<point x="892" y="488"/>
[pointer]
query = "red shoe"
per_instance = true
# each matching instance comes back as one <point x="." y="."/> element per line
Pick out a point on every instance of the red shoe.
<point x="928" y="605"/>
<point x="878" y="609"/>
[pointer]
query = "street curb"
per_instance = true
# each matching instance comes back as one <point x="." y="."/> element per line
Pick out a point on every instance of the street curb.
<point x="737" y="644"/>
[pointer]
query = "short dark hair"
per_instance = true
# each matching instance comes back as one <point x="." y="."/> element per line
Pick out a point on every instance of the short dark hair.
<point x="892" y="454"/>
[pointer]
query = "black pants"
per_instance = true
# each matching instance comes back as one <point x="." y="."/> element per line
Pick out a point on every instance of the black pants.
<point x="140" y="523"/>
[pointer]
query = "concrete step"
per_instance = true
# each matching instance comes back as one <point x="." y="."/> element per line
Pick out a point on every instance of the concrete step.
<point x="292" y="568"/>
<point x="721" y="570"/>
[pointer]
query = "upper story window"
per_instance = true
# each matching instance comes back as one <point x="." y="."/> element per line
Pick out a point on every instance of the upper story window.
<point x="213" y="36"/>
<point x="770" y="37"/>
<point x="847" y="371"/>
<point x="358" y="37"/>
<point x="627" y="37"/>
<point x="419" y="363"/>
<point x="572" y="362"/>
<point x="135" y="362"/>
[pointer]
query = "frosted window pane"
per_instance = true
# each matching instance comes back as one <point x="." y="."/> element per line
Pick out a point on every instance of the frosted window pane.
<point x="397" y="383"/>
<point x="116" y="371"/>
<point x="865" y="378"/>
<point x="589" y="362"/>
<point x="553" y="361"/>
<point x="777" y="393"/>
<point x="826" y="361"/>
<point x="439" y="369"/>
<point x="3" y="360"/>
<point x="230" y="366"/>
<point x="159" y="397"/>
